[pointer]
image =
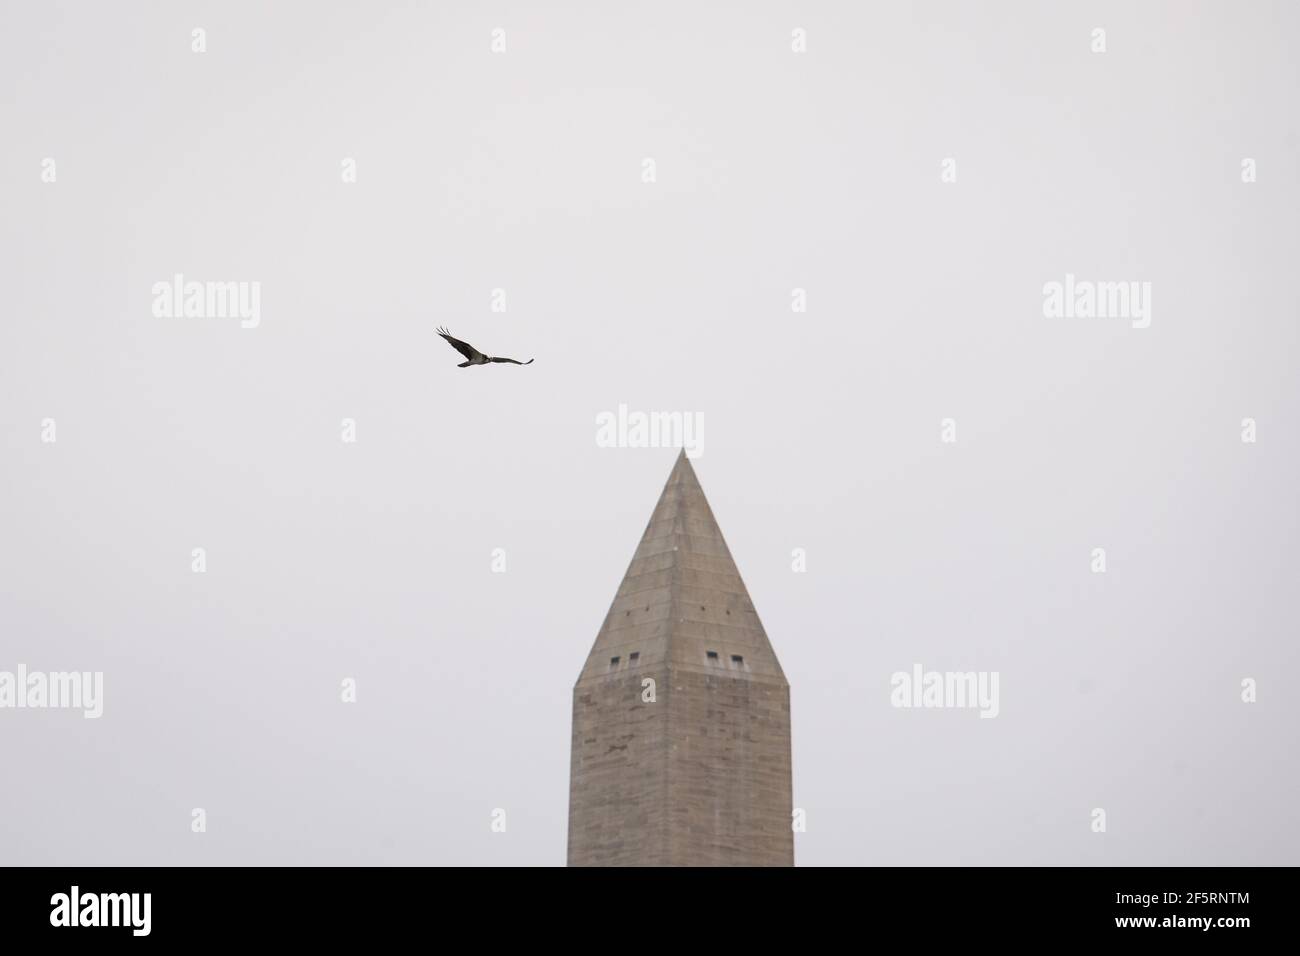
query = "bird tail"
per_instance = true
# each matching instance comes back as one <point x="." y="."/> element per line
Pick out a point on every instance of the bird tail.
<point x="464" y="364"/>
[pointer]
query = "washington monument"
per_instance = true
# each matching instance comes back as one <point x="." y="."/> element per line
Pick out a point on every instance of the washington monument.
<point x="681" y="715"/>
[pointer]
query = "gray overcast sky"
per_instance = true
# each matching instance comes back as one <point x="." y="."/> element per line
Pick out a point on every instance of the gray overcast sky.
<point x="522" y="170"/>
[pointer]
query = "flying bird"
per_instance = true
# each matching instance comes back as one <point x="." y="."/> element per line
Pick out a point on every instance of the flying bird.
<point x="472" y="355"/>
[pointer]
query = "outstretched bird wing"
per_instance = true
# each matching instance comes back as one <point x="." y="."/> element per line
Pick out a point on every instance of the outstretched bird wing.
<point x="464" y="348"/>
<point x="511" y="361"/>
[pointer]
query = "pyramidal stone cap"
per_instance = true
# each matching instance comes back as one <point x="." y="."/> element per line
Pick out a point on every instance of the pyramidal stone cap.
<point x="682" y="596"/>
<point x="680" y="752"/>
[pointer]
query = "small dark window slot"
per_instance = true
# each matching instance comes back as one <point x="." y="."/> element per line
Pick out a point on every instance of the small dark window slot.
<point x="737" y="659"/>
<point x="634" y="657"/>
<point x="711" y="655"/>
<point x="613" y="662"/>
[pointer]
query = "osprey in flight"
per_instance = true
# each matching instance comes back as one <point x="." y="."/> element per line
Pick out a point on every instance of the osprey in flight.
<point x="472" y="355"/>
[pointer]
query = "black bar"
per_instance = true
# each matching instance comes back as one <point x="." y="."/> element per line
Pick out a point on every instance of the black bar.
<point x="376" y="905"/>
